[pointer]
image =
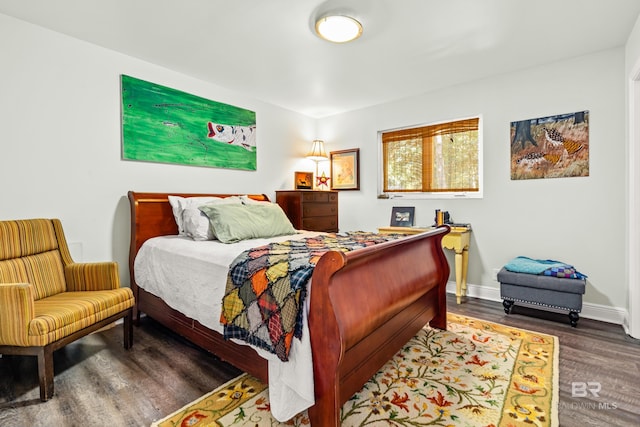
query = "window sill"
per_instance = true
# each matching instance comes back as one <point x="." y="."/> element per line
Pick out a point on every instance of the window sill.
<point x="432" y="196"/>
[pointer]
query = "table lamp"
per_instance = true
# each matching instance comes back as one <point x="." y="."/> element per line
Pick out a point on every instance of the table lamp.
<point x="317" y="154"/>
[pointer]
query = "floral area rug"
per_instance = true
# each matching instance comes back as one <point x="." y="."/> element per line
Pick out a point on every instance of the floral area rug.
<point x="476" y="373"/>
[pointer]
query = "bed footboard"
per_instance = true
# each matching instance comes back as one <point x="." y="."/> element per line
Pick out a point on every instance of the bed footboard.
<point x="365" y="305"/>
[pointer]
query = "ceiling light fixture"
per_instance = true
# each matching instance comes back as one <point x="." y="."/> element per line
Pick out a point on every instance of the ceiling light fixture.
<point x="338" y="28"/>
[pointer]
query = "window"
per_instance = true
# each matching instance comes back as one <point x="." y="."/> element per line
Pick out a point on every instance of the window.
<point x="441" y="160"/>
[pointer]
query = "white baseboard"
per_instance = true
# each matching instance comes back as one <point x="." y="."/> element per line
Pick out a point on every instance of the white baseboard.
<point x="604" y="313"/>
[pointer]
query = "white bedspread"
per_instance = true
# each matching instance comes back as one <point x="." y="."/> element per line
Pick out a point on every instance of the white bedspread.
<point x="190" y="276"/>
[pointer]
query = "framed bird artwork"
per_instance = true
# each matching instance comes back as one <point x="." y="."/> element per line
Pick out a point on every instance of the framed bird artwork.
<point x="550" y="147"/>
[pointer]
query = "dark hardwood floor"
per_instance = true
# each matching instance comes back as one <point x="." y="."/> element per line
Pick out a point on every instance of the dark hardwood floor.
<point x="98" y="383"/>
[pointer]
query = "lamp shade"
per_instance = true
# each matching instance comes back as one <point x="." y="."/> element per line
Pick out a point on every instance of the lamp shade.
<point x="317" y="152"/>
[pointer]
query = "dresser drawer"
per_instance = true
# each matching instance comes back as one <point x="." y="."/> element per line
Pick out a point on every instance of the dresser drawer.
<point x="319" y="209"/>
<point x="319" y="196"/>
<point x="321" y="223"/>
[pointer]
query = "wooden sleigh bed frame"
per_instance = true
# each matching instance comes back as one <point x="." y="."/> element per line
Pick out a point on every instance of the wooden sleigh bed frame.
<point x="365" y="305"/>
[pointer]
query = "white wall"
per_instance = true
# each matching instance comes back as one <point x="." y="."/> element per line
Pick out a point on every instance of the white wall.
<point x="632" y="47"/>
<point x="60" y="152"/>
<point x="576" y="220"/>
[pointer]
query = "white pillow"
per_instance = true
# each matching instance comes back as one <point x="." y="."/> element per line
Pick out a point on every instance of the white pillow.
<point x="196" y="224"/>
<point x="179" y="204"/>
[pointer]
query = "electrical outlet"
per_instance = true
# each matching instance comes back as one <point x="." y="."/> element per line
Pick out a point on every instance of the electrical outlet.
<point x="495" y="274"/>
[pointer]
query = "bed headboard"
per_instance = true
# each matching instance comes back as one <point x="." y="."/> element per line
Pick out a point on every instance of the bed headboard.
<point x="151" y="216"/>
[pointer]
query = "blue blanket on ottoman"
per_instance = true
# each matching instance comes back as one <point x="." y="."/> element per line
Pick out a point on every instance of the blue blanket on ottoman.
<point x="546" y="267"/>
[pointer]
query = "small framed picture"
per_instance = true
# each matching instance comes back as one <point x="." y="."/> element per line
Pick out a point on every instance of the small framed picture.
<point x="303" y="180"/>
<point x="402" y="216"/>
<point x="345" y="169"/>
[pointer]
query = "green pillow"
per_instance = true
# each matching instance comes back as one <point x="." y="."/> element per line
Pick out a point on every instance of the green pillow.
<point x="233" y="223"/>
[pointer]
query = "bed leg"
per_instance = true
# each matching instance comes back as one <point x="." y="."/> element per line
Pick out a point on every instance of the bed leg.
<point x="323" y="413"/>
<point x="439" y="321"/>
<point x="135" y="315"/>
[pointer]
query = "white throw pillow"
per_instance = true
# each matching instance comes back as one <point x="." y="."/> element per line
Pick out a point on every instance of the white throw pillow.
<point x="196" y="224"/>
<point x="179" y="204"/>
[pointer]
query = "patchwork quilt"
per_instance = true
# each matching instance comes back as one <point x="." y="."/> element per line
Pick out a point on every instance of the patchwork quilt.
<point x="266" y="287"/>
<point x="543" y="267"/>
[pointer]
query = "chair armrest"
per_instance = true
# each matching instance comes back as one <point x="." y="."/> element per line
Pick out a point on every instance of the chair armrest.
<point x="92" y="276"/>
<point x="16" y="312"/>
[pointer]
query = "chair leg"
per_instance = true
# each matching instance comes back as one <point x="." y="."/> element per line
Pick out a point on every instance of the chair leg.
<point x="45" y="372"/>
<point x="127" y="326"/>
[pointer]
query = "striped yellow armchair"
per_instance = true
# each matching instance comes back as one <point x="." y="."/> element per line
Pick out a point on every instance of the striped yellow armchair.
<point x="47" y="300"/>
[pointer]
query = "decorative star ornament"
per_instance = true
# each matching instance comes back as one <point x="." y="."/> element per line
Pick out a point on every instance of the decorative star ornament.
<point x="322" y="181"/>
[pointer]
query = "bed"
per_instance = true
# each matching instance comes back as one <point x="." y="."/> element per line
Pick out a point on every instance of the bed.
<point x="349" y="341"/>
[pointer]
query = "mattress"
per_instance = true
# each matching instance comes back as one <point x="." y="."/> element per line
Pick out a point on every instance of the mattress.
<point x="190" y="276"/>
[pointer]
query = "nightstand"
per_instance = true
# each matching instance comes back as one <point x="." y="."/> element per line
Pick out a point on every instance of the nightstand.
<point x="457" y="240"/>
<point x="310" y="210"/>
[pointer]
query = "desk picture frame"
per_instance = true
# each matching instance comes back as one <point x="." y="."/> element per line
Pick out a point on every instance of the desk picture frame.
<point x="303" y="180"/>
<point x="402" y="216"/>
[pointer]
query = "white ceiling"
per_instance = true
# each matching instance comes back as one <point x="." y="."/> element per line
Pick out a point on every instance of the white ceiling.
<point x="266" y="48"/>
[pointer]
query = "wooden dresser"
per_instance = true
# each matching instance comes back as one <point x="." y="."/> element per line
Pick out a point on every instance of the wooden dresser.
<point x="310" y="210"/>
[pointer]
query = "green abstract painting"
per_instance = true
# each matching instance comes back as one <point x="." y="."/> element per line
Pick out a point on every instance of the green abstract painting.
<point x="164" y="125"/>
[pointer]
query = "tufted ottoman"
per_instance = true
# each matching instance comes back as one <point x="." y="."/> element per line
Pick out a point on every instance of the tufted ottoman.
<point x="546" y="291"/>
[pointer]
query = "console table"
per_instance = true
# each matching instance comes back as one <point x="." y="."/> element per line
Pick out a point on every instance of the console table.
<point x="456" y="240"/>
